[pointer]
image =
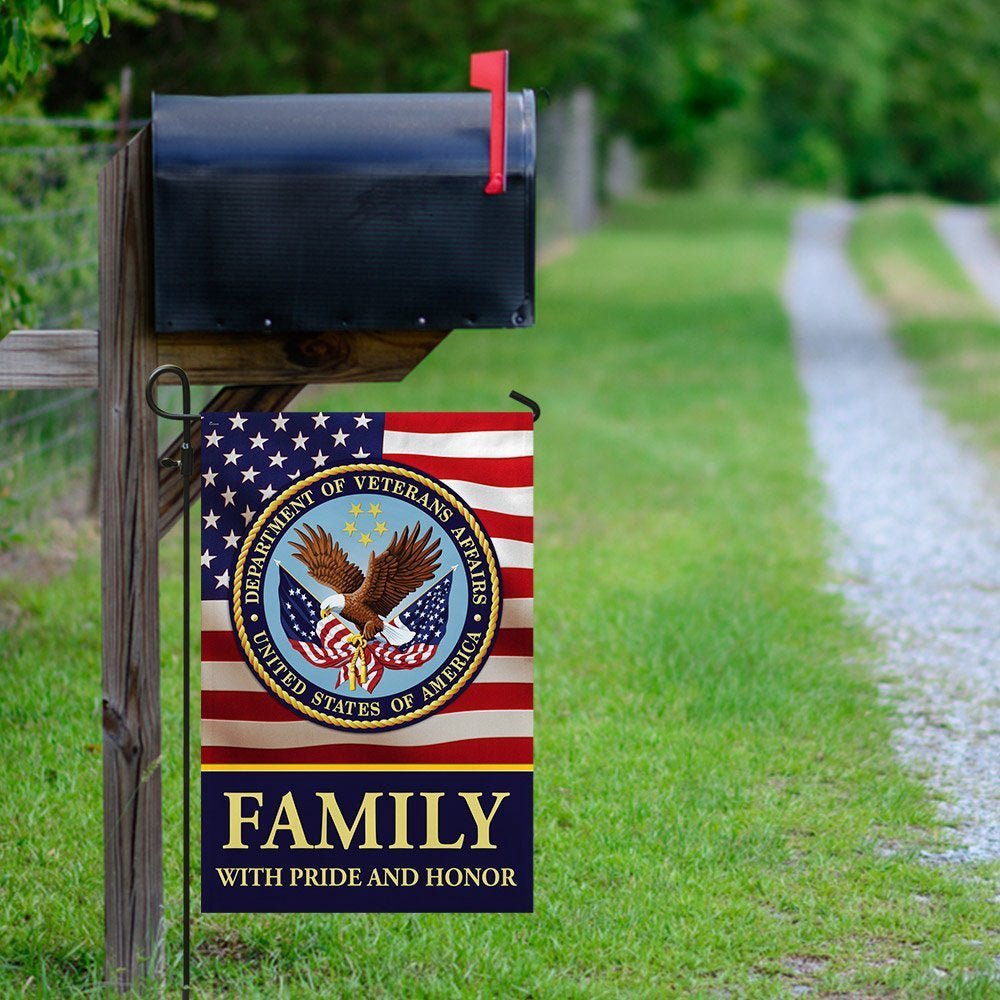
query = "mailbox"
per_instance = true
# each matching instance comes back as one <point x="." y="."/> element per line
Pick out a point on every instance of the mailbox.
<point x="356" y="212"/>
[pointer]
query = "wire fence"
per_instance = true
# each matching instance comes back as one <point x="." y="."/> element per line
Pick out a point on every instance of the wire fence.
<point x="48" y="233"/>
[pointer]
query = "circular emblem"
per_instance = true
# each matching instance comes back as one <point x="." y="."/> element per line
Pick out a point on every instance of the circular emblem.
<point x="366" y="596"/>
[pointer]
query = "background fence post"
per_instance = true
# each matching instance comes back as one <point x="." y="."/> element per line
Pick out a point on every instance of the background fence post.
<point x="133" y="833"/>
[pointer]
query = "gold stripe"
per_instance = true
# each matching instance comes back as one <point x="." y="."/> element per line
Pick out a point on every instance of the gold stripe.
<point x="367" y="767"/>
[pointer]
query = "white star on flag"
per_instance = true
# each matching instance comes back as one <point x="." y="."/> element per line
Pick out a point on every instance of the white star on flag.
<point x="320" y="419"/>
<point x="300" y="441"/>
<point x="209" y="477"/>
<point x="237" y="422"/>
<point x="319" y="459"/>
<point x="340" y="437"/>
<point x="232" y="456"/>
<point x="250" y="475"/>
<point x="362" y="421"/>
<point x="258" y="440"/>
<point x="278" y="459"/>
<point x="247" y="515"/>
<point x="231" y="539"/>
<point x="293" y="475"/>
<point x="229" y="495"/>
<point x="213" y="439"/>
<point x="223" y="579"/>
<point x="210" y="519"/>
<point x="361" y="453"/>
<point x="279" y="422"/>
<point x="206" y="558"/>
<point x="267" y="493"/>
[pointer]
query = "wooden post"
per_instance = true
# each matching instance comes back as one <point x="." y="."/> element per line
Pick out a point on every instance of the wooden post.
<point x="133" y="830"/>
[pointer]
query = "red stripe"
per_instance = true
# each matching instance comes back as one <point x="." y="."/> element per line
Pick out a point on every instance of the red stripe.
<point x="495" y="697"/>
<point x="517" y="582"/>
<point x="221" y="646"/>
<point x="499" y="750"/>
<point x="261" y="706"/>
<point x="519" y="529"/>
<point x="487" y="471"/>
<point x="456" y="423"/>
<point x="513" y="642"/>
<point x="246" y="706"/>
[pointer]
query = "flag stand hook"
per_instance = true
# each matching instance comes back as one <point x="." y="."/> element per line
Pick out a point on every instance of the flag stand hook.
<point x="519" y="397"/>
<point x="185" y="465"/>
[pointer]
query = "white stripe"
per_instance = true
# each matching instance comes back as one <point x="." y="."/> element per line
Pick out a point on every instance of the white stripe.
<point x="306" y="649"/>
<point x="502" y="499"/>
<point x="460" y="444"/>
<point x="506" y="670"/>
<point x="215" y="616"/>
<point x="518" y="612"/>
<point x="218" y="675"/>
<point x="514" y="555"/>
<point x="437" y="729"/>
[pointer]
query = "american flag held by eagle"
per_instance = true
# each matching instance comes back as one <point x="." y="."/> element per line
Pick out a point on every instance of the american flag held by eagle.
<point x="403" y="640"/>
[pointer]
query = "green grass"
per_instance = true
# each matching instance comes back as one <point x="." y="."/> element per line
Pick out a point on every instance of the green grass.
<point x="719" y="811"/>
<point x="940" y="321"/>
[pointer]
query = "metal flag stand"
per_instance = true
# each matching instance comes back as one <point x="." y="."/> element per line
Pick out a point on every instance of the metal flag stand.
<point x="185" y="464"/>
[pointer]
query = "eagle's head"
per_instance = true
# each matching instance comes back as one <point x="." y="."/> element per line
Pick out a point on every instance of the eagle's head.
<point x="335" y="602"/>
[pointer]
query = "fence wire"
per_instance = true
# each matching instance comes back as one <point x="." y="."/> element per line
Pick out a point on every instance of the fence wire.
<point x="48" y="230"/>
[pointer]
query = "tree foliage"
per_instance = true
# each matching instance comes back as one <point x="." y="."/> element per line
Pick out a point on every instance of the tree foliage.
<point x="34" y="32"/>
<point x="858" y="95"/>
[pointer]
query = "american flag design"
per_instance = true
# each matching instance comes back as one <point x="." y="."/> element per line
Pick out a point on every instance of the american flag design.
<point x="483" y="458"/>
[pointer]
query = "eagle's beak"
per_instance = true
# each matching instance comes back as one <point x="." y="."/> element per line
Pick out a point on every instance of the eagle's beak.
<point x="324" y="613"/>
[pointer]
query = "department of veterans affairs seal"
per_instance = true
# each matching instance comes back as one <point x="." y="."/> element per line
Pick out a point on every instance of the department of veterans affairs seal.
<point x="366" y="596"/>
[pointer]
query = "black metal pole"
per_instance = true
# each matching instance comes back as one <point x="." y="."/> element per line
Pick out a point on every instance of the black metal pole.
<point x="186" y="468"/>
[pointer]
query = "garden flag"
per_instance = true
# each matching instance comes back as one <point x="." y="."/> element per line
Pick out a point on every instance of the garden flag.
<point x="366" y="662"/>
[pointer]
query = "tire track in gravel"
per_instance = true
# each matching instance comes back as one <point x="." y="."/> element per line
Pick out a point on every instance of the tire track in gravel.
<point x="917" y="543"/>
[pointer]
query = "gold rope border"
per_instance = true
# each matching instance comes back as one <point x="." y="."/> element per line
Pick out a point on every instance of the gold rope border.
<point x="415" y="714"/>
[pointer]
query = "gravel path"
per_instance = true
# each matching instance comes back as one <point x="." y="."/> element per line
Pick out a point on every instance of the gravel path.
<point x="967" y="232"/>
<point x="917" y="543"/>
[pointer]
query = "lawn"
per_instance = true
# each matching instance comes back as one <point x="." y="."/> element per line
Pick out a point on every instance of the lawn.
<point x="940" y="321"/>
<point x="719" y="811"/>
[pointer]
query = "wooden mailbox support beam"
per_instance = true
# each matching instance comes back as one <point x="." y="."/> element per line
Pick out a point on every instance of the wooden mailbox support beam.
<point x="130" y="628"/>
<point x="140" y="502"/>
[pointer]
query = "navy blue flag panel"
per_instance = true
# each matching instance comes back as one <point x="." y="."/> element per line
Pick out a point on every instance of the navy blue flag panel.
<point x="367" y="662"/>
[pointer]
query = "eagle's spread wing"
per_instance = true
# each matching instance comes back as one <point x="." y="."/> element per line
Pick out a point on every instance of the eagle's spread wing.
<point x="326" y="560"/>
<point x="411" y="559"/>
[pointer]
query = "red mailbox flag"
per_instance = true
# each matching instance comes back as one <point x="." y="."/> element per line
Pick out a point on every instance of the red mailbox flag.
<point x="488" y="71"/>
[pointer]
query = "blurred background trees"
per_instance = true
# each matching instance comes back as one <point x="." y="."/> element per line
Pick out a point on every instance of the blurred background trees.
<point x="859" y="96"/>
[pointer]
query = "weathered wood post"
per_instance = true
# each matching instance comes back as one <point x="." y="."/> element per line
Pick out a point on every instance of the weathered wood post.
<point x="133" y="827"/>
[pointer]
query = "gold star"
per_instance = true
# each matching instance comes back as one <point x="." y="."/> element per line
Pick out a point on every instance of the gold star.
<point x="350" y="527"/>
<point x="355" y="509"/>
<point x="366" y="538"/>
<point x="374" y="509"/>
<point x="380" y="528"/>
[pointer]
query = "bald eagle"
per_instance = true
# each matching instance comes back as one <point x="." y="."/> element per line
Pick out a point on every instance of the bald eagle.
<point x="367" y="600"/>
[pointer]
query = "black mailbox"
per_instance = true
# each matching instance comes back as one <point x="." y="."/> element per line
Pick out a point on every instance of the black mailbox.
<point x="355" y="212"/>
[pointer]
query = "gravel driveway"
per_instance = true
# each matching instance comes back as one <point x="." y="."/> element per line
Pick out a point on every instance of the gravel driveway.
<point x="917" y="531"/>
<point x="967" y="232"/>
